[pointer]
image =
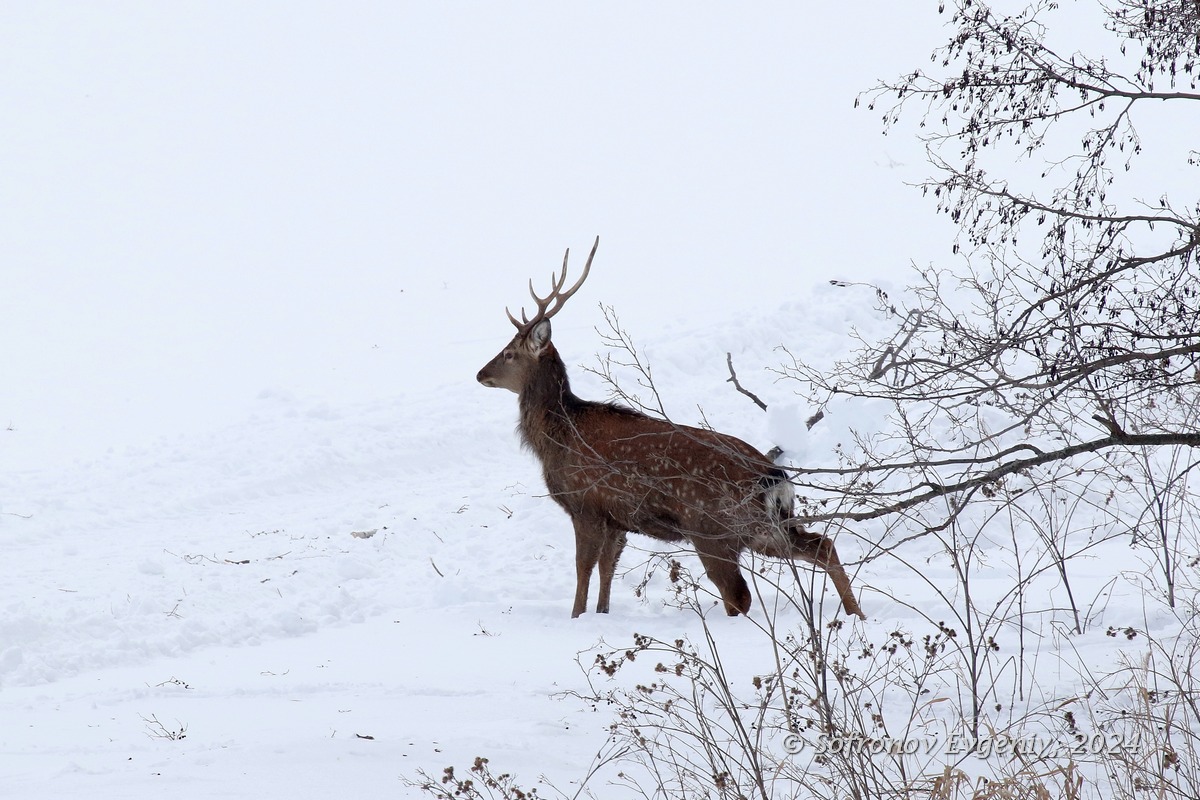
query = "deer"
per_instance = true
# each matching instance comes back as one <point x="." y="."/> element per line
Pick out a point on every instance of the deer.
<point x="616" y="470"/>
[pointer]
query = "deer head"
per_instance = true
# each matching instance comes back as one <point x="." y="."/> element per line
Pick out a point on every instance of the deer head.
<point x="513" y="366"/>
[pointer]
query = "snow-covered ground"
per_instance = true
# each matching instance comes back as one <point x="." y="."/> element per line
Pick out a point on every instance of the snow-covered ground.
<point x="233" y="614"/>
<point x="321" y="572"/>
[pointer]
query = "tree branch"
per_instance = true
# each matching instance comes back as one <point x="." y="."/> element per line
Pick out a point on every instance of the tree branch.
<point x="1017" y="465"/>
<point x="733" y="378"/>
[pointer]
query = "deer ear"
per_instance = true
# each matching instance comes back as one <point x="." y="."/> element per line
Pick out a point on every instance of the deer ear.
<point x="539" y="337"/>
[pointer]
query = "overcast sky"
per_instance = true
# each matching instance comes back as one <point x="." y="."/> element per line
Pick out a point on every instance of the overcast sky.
<point x="206" y="201"/>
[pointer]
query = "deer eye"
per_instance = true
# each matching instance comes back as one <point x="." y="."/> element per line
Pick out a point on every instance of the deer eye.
<point x="509" y="355"/>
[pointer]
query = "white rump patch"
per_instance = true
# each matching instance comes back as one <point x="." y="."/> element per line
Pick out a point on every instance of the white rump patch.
<point x="780" y="500"/>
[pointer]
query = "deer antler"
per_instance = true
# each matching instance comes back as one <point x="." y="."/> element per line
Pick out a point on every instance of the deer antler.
<point x="557" y="295"/>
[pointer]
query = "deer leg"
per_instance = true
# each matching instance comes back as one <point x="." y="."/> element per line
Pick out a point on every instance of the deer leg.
<point x="589" y="540"/>
<point x="817" y="549"/>
<point x="610" y="554"/>
<point x="720" y="559"/>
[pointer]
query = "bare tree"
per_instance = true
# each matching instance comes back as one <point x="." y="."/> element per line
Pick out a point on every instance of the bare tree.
<point x="1068" y="329"/>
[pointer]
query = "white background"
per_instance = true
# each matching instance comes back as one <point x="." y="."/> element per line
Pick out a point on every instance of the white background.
<point x="203" y="201"/>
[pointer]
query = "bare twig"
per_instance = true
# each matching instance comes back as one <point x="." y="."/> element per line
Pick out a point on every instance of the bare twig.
<point x="733" y="378"/>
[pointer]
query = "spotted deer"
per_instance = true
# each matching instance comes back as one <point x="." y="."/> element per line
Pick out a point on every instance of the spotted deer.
<point x="613" y="470"/>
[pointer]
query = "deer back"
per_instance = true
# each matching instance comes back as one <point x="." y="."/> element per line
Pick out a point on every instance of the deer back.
<point x="652" y="476"/>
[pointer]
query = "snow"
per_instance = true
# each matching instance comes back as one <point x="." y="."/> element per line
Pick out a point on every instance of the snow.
<point x="264" y="534"/>
<point x="319" y="572"/>
<point x="312" y="573"/>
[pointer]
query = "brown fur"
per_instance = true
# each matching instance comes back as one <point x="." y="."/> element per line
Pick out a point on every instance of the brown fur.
<point x="615" y="470"/>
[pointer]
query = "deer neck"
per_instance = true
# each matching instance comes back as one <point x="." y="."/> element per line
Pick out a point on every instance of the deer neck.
<point x="546" y="405"/>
